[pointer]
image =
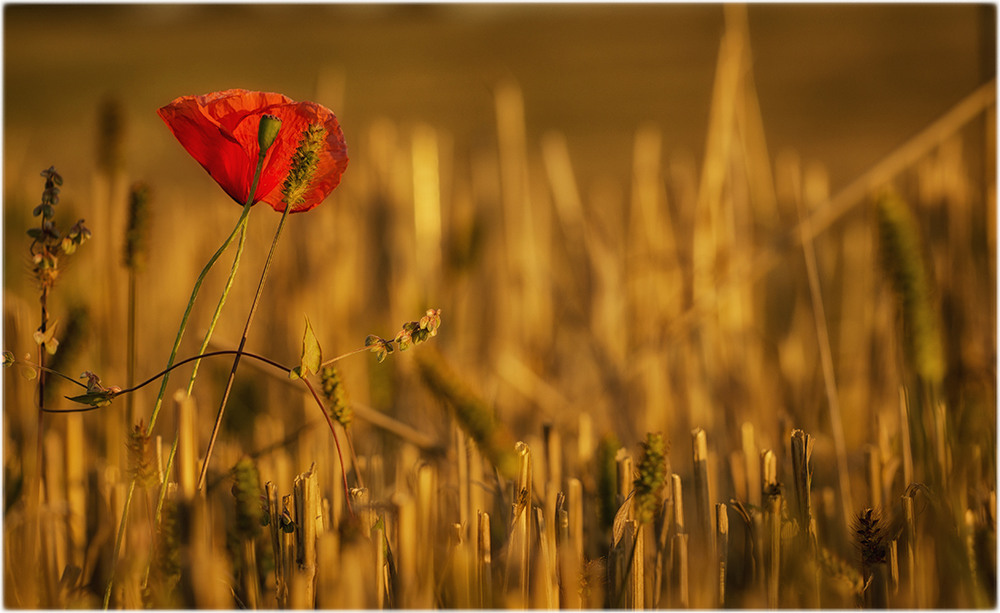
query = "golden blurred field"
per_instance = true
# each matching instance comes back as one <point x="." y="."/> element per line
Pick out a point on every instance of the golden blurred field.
<point x="635" y="219"/>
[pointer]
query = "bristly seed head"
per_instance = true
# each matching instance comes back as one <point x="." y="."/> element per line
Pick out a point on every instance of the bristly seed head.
<point x="303" y="166"/>
<point x="247" y="492"/>
<point x="870" y="537"/>
<point x="336" y="393"/>
<point x="140" y="456"/>
<point x="652" y="477"/>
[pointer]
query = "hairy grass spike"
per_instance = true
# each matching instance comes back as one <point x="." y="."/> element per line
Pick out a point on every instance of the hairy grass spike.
<point x="248" y="493"/>
<point x="141" y="462"/>
<point x="652" y="477"/>
<point x="336" y="394"/>
<point x="304" y="163"/>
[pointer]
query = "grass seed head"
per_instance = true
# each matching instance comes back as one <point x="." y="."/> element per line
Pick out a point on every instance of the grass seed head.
<point x="141" y="461"/>
<point x="137" y="231"/>
<point x="903" y="260"/>
<point x="336" y="394"/>
<point x="247" y="492"/>
<point x="652" y="477"/>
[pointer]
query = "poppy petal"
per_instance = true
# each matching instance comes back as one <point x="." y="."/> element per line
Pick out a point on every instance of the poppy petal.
<point x="219" y="130"/>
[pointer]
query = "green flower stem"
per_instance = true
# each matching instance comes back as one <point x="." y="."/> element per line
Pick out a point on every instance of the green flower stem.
<point x="197" y="362"/>
<point x="218" y="309"/>
<point x="194" y="373"/>
<point x="187" y="313"/>
<point x="240" y="225"/>
<point x="239" y="351"/>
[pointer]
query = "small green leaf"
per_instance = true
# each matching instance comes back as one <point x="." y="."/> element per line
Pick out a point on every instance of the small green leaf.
<point x="95" y="399"/>
<point x="295" y="373"/>
<point x="8" y="358"/>
<point x="312" y="355"/>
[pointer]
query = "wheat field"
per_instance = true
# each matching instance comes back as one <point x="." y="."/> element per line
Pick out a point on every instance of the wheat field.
<point x="683" y="361"/>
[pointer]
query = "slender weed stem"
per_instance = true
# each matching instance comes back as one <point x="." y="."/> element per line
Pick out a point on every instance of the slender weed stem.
<point x="239" y="352"/>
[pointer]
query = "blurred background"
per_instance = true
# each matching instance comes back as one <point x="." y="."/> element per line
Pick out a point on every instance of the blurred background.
<point x="840" y="84"/>
<point x="604" y="200"/>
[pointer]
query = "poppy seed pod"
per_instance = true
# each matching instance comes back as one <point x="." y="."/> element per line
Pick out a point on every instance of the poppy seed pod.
<point x="267" y="131"/>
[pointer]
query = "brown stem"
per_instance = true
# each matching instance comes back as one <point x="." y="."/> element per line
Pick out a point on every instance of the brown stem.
<point x="336" y="440"/>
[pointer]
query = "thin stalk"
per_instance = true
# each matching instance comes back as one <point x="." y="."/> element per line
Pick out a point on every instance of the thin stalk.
<point x="197" y="362"/>
<point x="194" y="293"/>
<point x="826" y="362"/>
<point x="344" y="355"/>
<point x="222" y="301"/>
<point x="54" y="372"/>
<point x="239" y="353"/>
<point x="37" y="494"/>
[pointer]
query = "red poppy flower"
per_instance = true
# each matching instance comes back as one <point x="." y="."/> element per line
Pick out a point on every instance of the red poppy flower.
<point x="219" y="130"/>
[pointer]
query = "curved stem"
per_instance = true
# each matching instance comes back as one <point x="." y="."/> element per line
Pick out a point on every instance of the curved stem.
<point x="193" y="358"/>
<point x="176" y="365"/>
<point x="201" y="356"/>
<point x="336" y="441"/>
<point x="243" y="340"/>
<point x="222" y="301"/>
<point x="187" y="312"/>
